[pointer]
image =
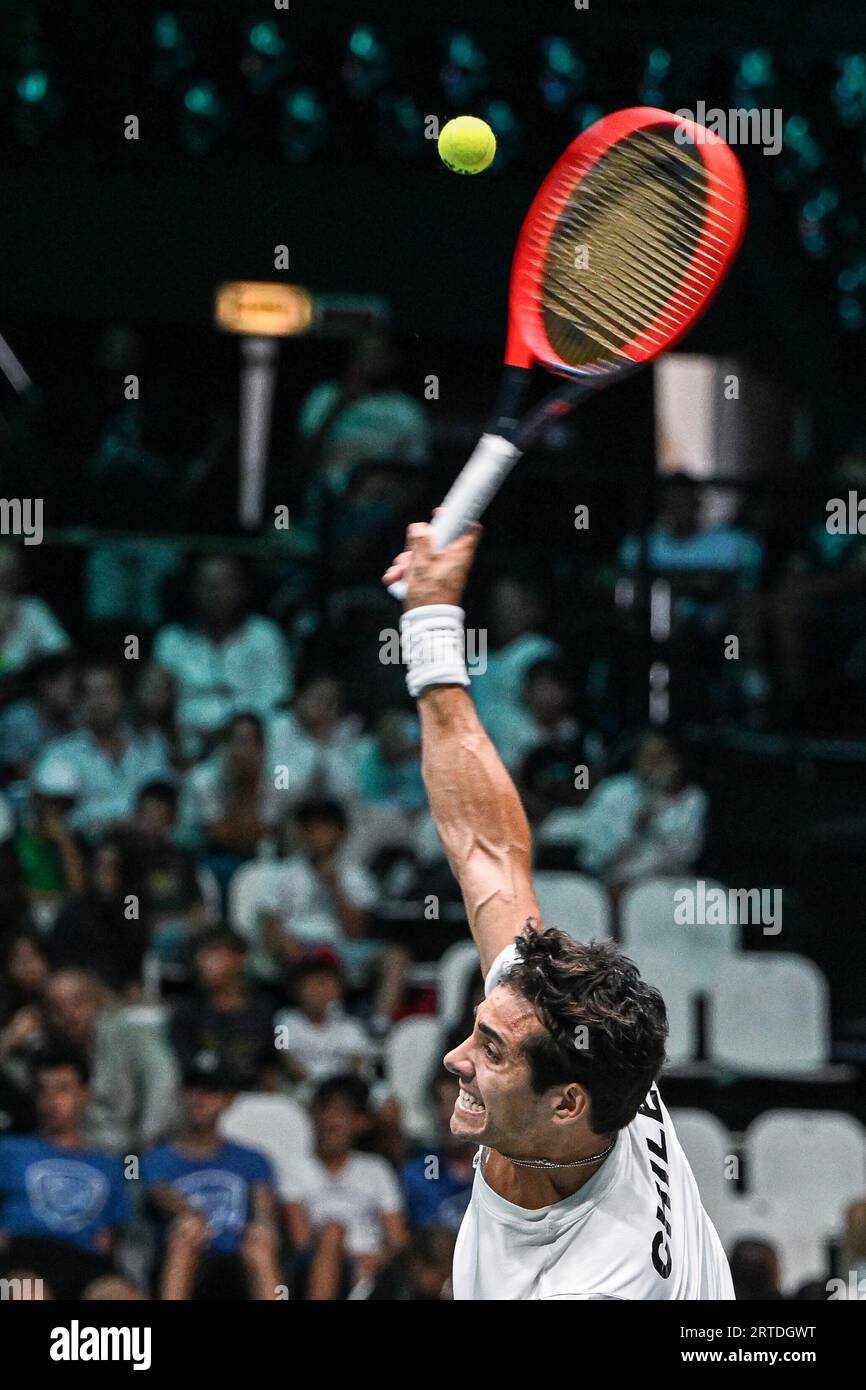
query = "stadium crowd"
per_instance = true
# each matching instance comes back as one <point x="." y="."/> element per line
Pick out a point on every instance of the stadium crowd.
<point x="221" y="887"/>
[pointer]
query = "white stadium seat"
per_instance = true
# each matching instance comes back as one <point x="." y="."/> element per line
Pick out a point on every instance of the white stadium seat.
<point x="573" y="902"/>
<point x="673" y="980"/>
<point x="455" y="970"/>
<point x="275" y="1125"/>
<point x="647" y="914"/>
<point x="805" y="1168"/>
<point x="707" y="1145"/>
<point x="769" y="1014"/>
<point x="412" y="1053"/>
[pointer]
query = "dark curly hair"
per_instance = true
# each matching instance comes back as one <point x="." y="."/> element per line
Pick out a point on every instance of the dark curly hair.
<point x="605" y="1027"/>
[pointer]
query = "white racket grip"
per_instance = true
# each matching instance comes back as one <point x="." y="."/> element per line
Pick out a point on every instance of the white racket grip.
<point x="476" y="485"/>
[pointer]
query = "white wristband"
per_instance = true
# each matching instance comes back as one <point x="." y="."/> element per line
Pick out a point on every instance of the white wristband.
<point x="433" y="647"/>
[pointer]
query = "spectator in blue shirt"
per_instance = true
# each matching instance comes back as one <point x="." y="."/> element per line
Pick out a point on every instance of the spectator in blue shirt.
<point x="60" y="1203"/>
<point x="213" y="1200"/>
<point x="437" y="1182"/>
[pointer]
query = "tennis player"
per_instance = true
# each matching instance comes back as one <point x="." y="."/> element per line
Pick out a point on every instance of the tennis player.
<point x="581" y="1189"/>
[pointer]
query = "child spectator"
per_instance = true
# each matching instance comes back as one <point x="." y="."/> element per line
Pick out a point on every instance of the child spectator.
<point x="171" y="898"/>
<point x="318" y="1040"/>
<point x="343" y="1209"/>
<point x="226" y="1023"/>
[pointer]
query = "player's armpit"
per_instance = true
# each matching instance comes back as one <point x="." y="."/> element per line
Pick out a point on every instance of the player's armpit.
<point x="480" y="820"/>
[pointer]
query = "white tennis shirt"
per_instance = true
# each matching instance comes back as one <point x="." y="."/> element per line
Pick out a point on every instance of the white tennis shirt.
<point x="635" y="1230"/>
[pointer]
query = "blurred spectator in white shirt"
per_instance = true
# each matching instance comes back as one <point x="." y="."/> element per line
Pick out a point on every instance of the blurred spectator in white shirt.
<point x="638" y="824"/>
<point x="28" y="628"/>
<point x="109" y="761"/>
<point x="227" y="659"/>
<point x="363" y="417"/>
<point x="320" y="895"/>
<point x="318" y="1039"/>
<point x="316" y="743"/>
<point x="338" y="1190"/>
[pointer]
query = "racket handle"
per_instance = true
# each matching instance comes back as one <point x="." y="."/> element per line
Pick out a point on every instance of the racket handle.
<point x="469" y="495"/>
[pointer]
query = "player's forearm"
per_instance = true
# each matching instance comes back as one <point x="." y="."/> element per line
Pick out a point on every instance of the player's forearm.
<point x="479" y="817"/>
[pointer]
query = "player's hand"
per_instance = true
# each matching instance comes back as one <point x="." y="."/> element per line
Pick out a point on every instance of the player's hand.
<point x="433" y="576"/>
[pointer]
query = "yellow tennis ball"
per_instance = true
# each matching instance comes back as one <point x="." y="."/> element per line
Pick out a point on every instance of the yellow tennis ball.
<point x="467" y="145"/>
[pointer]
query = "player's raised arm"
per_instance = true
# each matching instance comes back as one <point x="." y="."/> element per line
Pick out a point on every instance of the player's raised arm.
<point x="474" y="803"/>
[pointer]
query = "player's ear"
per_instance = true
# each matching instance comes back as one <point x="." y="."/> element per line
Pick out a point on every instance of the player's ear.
<point x="571" y="1103"/>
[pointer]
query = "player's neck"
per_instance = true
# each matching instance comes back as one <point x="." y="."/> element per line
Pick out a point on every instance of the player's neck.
<point x="532" y="1188"/>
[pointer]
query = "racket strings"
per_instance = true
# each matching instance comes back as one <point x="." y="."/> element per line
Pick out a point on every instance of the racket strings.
<point x="631" y="250"/>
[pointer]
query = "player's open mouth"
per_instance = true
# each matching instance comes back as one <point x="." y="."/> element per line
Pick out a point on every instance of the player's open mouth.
<point x="467" y="1102"/>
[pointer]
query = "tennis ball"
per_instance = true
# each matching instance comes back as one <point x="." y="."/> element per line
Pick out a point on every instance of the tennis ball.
<point x="467" y="145"/>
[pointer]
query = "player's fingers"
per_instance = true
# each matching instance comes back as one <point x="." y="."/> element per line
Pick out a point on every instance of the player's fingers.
<point x="419" y="538"/>
<point x="397" y="568"/>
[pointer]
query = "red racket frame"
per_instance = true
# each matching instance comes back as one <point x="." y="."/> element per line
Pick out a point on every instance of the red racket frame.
<point x="527" y="341"/>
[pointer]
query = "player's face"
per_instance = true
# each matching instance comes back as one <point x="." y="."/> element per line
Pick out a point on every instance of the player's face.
<point x="496" y="1104"/>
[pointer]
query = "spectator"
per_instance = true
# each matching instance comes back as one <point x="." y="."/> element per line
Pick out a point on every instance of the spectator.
<point x="545" y="714"/>
<point x="213" y="1201"/>
<point x="61" y="1203"/>
<point x="422" y="1273"/>
<point x="641" y="823"/>
<point x="133" y="1074"/>
<point x="154" y="701"/>
<point x="363" y="418"/>
<point x="24" y="971"/>
<point x="755" y="1271"/>
<point x="45" y="714"/>
<point x="226" y="1023"/>
<point x="323" y="896"/>
<point x="516" y="619"/>
<point x="227" y="659"/>
<point x="110" y="760"/>
<point x="317" y="742"/>
<point x="231" y="801"/>
<point x="47" y="851"/>
<point x="437" y="1182"/>
<point x="171" y="897"/>
<point x="679" y="545"/>
<point x="343" y="1209"/>
<point x="317" y="1039"/>
<point x="104" y="930"/>
<point x="28" y="628"/>
<point x="389" y="764"/>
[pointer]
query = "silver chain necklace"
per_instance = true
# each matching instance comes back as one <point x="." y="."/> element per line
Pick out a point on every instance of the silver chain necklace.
<point x="546" y="1162"/>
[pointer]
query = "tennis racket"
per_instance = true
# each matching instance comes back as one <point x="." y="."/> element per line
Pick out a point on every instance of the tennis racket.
<point x="624" y="245"/>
